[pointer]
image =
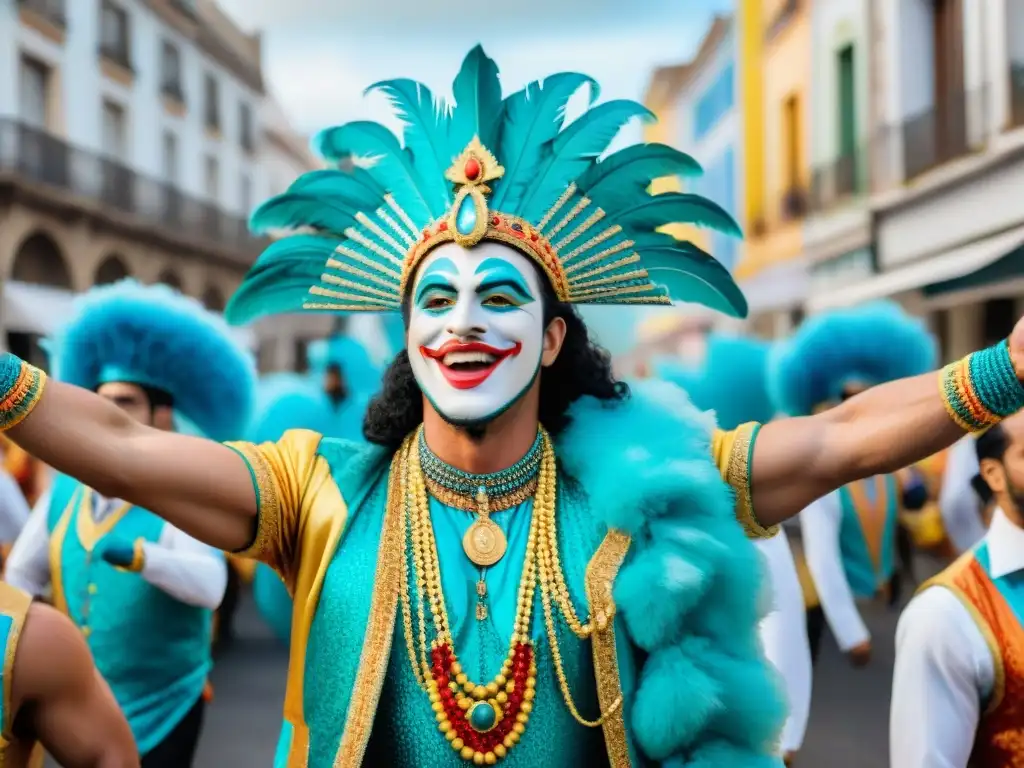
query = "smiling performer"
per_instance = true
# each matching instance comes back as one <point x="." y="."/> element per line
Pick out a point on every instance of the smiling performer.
<point x="531" y="563"/>
<point x="850" y="536"/>
<point x="733" y="382"/>
<point x="141" y="590"/>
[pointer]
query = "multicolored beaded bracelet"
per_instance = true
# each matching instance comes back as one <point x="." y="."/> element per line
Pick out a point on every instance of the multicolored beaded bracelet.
<point x="22" y="385"/>
<point x="982" y="389"/>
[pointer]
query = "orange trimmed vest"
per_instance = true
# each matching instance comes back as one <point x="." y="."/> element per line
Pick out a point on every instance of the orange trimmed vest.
<point x="997" y="606"/>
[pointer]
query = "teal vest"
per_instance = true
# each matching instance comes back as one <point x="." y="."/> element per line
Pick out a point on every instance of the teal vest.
<point x="405" y="730"/>
<point x="152" y="650"/>
<point x="1010" y="586"/>
<point x="867" y="536"/>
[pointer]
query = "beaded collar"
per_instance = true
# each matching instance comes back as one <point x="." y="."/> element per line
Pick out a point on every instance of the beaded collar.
<point x="505" y="489"/>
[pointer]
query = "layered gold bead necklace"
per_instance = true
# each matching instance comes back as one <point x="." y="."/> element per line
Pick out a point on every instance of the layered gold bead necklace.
<point x="483" y="721"/>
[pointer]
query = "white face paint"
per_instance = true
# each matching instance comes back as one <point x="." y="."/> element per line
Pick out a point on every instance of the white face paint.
<point x="476" y="330"/>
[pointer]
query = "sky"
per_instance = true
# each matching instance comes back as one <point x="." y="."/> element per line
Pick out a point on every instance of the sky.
<point x="320" y="55"/>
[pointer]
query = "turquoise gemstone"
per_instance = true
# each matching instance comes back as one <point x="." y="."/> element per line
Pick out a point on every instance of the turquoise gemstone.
<point x="482" y="717"/>
<point x="465" y="219"/>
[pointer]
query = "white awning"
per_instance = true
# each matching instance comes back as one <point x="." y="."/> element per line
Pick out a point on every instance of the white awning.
<point x="950" y="265"/>
<point x="42" y="310"/>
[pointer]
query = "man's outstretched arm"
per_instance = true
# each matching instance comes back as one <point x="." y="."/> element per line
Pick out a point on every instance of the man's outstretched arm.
<point x="881" y="430"/>
<point x="67" y="705"/>
<point x="200" y="486"/>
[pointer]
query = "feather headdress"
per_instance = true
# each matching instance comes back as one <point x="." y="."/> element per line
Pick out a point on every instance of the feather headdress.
<point x="154" y="336"/>
<point x="732" y="382"/>
<point x="486" y="168"/>
<point x="869" y="345"/>
<point x="351" y="357"/>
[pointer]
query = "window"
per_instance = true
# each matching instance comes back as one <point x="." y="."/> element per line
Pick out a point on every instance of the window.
<point x="245" y="194"/>
<point x="34" y="86"/>
<point x="212" y="103"/>
<point x="212" y="178"/>
<point x="170" y="71"/>
<point x="115" y="135"/>
<point x="114" y="33"/>
<point x="717" y="100"/>
<point x="170" y="152"/>
<point x="791" y="137"/>
<point x="245" y="128"/>
<point x="847" y="102"/>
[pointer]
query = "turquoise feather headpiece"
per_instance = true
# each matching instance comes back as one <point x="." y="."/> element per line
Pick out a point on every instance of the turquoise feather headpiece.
<point x="869" y="345"/>
<point x="732" y="382"/>
<point x="154" y="336"/>
<point x="486" y="168"/>
<point x="288" y="401"/>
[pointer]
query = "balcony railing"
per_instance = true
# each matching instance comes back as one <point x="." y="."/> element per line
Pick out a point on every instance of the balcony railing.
<point x="36" y="156"/>
<point x="794" y="204"/>
<point x="54" y="11"/>
<point x="840" y="179"/>
<point x="1017" y="94"/>
<point x="940" y="134"/>
<point x="117" y="53"/>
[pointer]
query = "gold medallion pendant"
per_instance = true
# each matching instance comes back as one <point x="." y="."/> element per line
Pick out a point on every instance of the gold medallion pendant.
<point x="484" y="542"/>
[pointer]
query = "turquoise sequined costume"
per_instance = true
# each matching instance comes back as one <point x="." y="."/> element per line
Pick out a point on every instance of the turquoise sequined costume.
<point x="673" y="661"/>
<point x="157" y="338"/>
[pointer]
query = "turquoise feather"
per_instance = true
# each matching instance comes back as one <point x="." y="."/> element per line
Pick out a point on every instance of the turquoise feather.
<point x="356" y="185"/>
<point x="678" y="208"/>
<point x="392" y="166"/>
<point x="619" y="178"/>
<point x="534" y="116"/>
<point x="310" y="250"/>
<point x="298" y="209"/>
<point x="575" y="150"/>
<point x="478" y="105"/>
<point x="427" y="127"/>
<point x="693" y="275"/>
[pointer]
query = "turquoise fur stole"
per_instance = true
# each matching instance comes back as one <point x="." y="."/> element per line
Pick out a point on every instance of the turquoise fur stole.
<point x="692" y="590"/>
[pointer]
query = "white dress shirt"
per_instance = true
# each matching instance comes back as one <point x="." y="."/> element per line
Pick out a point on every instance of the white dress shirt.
<point x="14" y="509"/>
<point x="820" y="525"/>
<point x="784" y="634"/>
<point x="944" y="670"/>
<point x="186" y="569"/>
<point x="959" y="505"/>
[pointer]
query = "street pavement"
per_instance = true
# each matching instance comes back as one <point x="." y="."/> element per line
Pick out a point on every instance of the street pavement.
<point x="848" y="727"/>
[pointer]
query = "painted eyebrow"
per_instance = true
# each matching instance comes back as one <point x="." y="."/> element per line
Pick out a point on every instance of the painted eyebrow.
<point x="432" y="277"/>
<point x="435" y="282"/>
<point x="513" y="285"/>
<point x="506" y="276"/>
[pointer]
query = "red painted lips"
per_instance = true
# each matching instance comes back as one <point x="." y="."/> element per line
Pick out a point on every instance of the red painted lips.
<point x="478" y="361"/>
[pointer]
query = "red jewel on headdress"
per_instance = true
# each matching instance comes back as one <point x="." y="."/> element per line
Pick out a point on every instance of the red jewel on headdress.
<point x="442" y="227"/>
<point x="472" y="169"/>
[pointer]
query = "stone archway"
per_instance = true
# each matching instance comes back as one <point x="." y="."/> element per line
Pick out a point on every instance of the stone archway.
<point x="169" y="277"/>
<point x="213" y="299"/>
<point x="40" y="261"/>
<point x="110" y="270"/>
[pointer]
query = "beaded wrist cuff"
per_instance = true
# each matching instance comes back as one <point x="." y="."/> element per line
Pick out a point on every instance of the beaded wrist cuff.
<point x="22" y="386"/>
<point x="982" y="389"/>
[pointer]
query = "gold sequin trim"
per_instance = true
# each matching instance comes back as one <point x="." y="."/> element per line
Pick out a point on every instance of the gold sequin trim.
<point x="554" y="209"/>
<point x="13" y="603"/>
<point x="268" y="502"/>
<point x="328" y="293"/>
<point x="600" y="577"/>
<point x="469" y="503"/>
<point x="373" y="660"/>
<point x="738" y="476"/>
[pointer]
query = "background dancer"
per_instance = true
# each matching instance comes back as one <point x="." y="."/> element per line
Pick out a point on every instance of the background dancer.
<point x="852" y="537"/>
<point x="142" y="591"/>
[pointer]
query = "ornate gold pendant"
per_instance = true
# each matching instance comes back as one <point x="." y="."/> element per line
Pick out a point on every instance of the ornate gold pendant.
<point x="484" y="542"/>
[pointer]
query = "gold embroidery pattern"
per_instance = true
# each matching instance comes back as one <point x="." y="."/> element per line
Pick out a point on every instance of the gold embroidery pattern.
<point x="57" y="538"/>
<point x="13" y="603"/>
<point x="738" y="476"/>
<point x="600" y="576"/>
<point x="373" y="661"/>
<point x="268" y="502"/>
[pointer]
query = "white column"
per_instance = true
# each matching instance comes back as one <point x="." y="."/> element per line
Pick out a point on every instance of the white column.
<point x="965" y="325"/>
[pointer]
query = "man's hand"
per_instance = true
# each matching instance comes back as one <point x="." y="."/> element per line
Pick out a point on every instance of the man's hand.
<point x="122" y="553"/>
<point x="1016" y="345"/>
<point x="860" y="654"/>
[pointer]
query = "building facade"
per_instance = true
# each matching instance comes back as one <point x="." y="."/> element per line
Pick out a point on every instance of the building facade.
<point x="947" y="164"/>
<point x="774" y="57"/>
<point x="130" y="139"/>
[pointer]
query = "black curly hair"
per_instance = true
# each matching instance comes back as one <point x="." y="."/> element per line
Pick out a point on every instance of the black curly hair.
<point x="581" y="368"/>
